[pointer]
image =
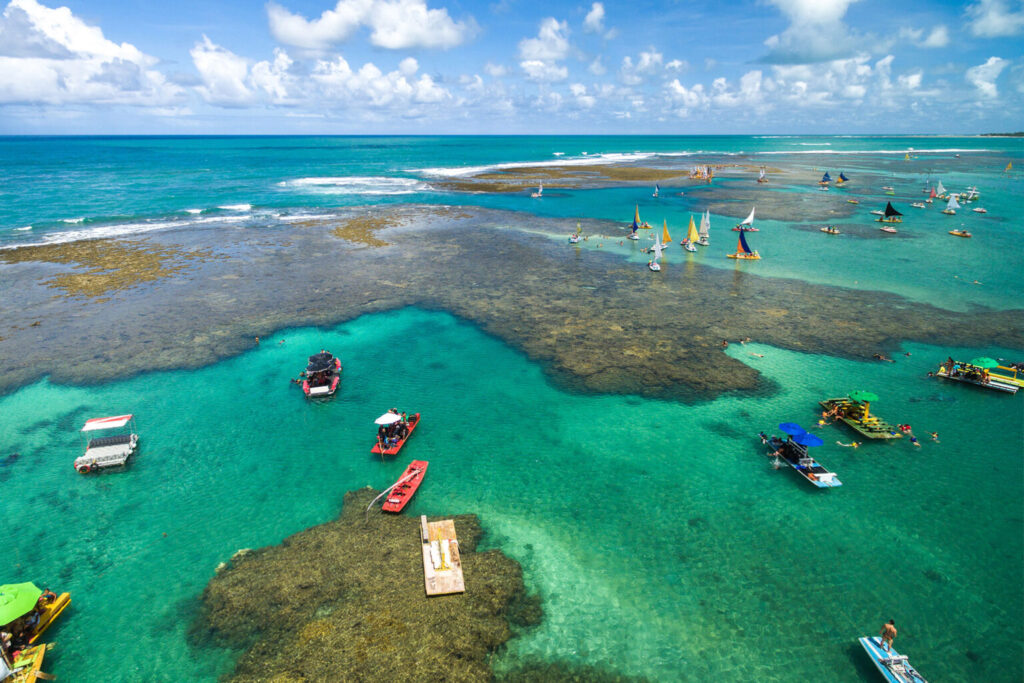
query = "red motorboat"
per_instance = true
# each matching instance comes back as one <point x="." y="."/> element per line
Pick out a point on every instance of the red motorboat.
<point x="393" y="448"/>
<point x="323" y="374"/>
<point x="406" y="486"/>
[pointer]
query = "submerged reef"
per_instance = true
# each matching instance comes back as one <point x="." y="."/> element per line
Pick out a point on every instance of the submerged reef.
<point x="345" y="601"/>
<point x="595" y="321"/>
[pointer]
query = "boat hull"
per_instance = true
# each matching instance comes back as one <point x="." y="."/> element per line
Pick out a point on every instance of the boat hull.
<point x="994" y="383"/>
<point x="414" y="422"/>
<point x="403" y="493"/>
<point x="745" y="257"/>
<point x="49" y="615"/>
<point x="873" y="646"/>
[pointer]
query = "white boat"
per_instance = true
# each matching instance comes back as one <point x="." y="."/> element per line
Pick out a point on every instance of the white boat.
<point x="656" y="190"/>
<point x="705" y="225"/>
<point x="919" y="205"/>
<point x="892" y="665"/>
<point x="951" y="206"/>
<point x="878" y="213"/>
<point x="978" y="209"/>
<point x="540" y="191"/>
<point x="823" y="188"/>
<point x="888" y="228"/>
<point x="972" y="194"/>
<point x="112" y="450"/>
<point x="576" y="236"/>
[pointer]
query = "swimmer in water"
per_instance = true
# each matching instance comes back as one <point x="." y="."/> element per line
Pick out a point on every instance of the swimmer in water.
<point x="757" y="355"/>
<point x="852" y="444"/>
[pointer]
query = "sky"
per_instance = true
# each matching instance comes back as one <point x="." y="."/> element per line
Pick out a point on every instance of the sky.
<point x="511" y="67"/>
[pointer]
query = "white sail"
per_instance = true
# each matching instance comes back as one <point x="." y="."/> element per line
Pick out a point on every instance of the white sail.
<point x="749" y="220"/>
<point x="952" y="202"/>
<point x="657" y="249"/>
<point x="705" y="224"/>
<point x="761" y="176"/>
<point x="939" y="189"/>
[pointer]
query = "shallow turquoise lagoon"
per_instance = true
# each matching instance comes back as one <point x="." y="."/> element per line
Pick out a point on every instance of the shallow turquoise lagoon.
<point x="657" y="533"/>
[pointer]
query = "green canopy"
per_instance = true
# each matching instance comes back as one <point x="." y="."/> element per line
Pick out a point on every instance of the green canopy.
<point x="985" y="362"/>
<point x="16" y="600"/>
<point x="863" y="396"/>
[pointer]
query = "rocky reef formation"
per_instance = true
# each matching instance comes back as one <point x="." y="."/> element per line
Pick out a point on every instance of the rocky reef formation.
<point x="345" y="601"/>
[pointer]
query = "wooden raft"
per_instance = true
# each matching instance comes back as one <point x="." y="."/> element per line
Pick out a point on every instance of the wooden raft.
<point x="442" y="564"/>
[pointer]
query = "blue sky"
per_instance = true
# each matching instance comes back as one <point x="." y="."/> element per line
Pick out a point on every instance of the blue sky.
<point x="511" y="66"/>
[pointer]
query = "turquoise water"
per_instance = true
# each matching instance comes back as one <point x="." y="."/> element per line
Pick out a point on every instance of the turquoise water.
<point x="654" y="519"/>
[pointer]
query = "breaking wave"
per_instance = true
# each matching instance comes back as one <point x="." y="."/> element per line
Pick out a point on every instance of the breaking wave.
<point x="367" y="185"/>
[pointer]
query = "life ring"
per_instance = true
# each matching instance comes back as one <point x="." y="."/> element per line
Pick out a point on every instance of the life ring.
<point x="84" y="469"/>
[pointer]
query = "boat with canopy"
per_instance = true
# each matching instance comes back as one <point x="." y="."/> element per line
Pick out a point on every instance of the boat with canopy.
<point x="855" y="411"/>
<point x="747" y="224"/>
<point x="112" y="450"/>
<point x="951" y="206"/>
<point x="743" y="251"/>
<point x="690" y="242"/>
<point x="794" y="452"/>
<point x="393" y="431"/>
<point x="978" y="372"/>
<point x="322" y="375"/>
<point x="894" y="667"/>
<point x="890" y="215"/>
<point x="705" y="226"/>
<point x="26" y="611"/>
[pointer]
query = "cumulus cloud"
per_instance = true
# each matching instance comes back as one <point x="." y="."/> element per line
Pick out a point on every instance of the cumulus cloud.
<point x="540" y="55"/>
<point x="337" y="81"/>
<point x="223" y="74"/>
<point x="994" y="19"/>
<point x="677" y="65"/>
<point x="394" y="24"/>
<point x="686" y="99"/>
<point x="632" y="73"/>
<point x="938" y="37"/>
<point x="495" y="70"/>
<point x="816" y="32"/>
<point x="51" y="56"/>
<point x="579" y="92"/>
<point x="983" y="77"/>
<point x="596" y="67"/>
<point x="594" y="21"/>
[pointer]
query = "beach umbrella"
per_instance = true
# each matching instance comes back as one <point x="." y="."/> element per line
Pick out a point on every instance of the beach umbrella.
<point x="16" y="600"/>
<point x="387" y="418"/>
<point x="985" y="362"/>
<point x="791" y="428"/>
<point x="808" y="440"/>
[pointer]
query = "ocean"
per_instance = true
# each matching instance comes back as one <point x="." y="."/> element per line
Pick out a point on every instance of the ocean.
<point x="660" y="539"/>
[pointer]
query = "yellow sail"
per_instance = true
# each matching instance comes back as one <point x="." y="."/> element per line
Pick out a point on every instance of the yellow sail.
<point x="665" y="238"/>
<point x="691" y="233"/>
<point x="906" y="157"/>
<point x="1009" y="167"/>
<point x="636" y="215"/>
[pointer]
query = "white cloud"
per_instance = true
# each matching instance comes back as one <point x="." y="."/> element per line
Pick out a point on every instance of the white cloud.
<point x="816" y="32"/>
<point x="540" y="55"/>
<point x="678" y="65"/>
<point x="939" y="36"/>
<point x="223" y="74"/>
<point x="495" y="70"/>
<point x="596" y="67"/>
<point x="51" y="56"/>
<point x="337" y="81"/>
<point x="686" y="99"/>
<point x="579" y="91"/>
<point x="395" y="24"/>
<point x="646" y="63"/>
<point x="594" y="21"/>
<point x="993" y="19"/>
<point x="537" y="70"/>
<point x="983" y="77"/>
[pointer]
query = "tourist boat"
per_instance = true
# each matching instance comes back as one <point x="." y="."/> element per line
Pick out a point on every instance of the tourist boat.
<point x="690" y="243"/>
<point x="107" y="451"/>
<point x="951" y="206"/>
<point x="855" y="412"/>
<point x="971" y="195"/>
<point x="743" y="251"/>
<point x="636" y="220"/>
<point x="1013" y="377"/>
<point x="824" y="188"/>
<point x="27" y="666"/>
<point x="21" y="599"/>
<point x="892" y="665"/>
<point x="632" y="235"/>
<point x="539" y="193"/>
<point x="656" y="190"/>
<point x="825" y="179"/>
<point x="842" y="179"/>
<point x="978" y="209"/>
<point x="795" y="454"/>
<point x="383" y="449"/>
<point x="705" y="227"/>
<point x="889" y="229"/>
<point x="891" y="215"/>
<point x="830" y="229"/>
<point x="919" y="205"/>
<point x="322" y="375"/>
<point x="977" y="376"/>
<point x="888" y="188"/>
<point x="747" y="224"/>
<point x="762" y="177"/>
<point x="960" y="233"/>
<point x="51" y="609"/>
<point x="403" y="490"/>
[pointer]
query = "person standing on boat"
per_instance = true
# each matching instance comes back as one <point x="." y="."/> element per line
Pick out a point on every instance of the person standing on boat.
<point x="888" y="634"/>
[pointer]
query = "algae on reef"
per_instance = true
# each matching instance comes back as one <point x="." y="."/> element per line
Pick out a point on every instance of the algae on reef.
<point x="345" y="601"/>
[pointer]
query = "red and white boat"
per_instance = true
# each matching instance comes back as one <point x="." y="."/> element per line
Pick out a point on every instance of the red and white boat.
<point x="107" y="451"/>
<point x="404" y="489"/>
<point x="393" y="448"/>
<point x="323" y="374"/>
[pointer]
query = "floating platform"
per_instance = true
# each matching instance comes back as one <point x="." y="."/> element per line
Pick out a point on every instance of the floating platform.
<point x="893" y="666"/>
<point x="852" y="413"/>
<point x="994" y="382"/>
<point x="28" y="666"/>
<point x="442" y="564"/>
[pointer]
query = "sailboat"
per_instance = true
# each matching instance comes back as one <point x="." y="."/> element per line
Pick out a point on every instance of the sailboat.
<point x="656" y="190"/>
<point x="932" y="194"/>
<point x="891" y="215"/>
<point x="747" y="224"/>
<point x="951" y="206"/>
<point x="825" y="179"/>
<point x="540" y="191"/>
<point x="941" y="191"/>
<point x="689" y="244"/>
<point x="842" y="179"/>
<point x="657" y="249"/>
<point x="762" y="178"/>
<point x="1009" y="167"/>
<point x="636" y="220"/>
<point x="576" y="236"/>
<point x="665" y="237"/>
<point x="743" y="251"/>
<point x="906" y="157"/>
<point x="705" y="225"/>
<point x="960" y="233"/>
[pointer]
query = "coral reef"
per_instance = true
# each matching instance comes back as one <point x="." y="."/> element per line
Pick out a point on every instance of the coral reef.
<point x="345" y="601"/>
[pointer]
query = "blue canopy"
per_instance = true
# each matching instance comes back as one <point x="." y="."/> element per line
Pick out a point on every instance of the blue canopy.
<point x="792" y="428"/>
<point x="808" y="440"/>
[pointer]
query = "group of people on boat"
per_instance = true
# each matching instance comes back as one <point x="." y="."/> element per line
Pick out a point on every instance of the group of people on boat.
<point x="967" y="371"/>
<point x="390" y="434"/>
<point x="16" y="635"/>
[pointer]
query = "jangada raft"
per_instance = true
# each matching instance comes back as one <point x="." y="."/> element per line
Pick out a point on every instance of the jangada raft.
<point x="893" y="666"/>
<point x="890" y="215"/>
<point x="112" y="450"/>
<point x="323" y="374"/>
<point x="793" y="451"/>
<point x="405" y="488"/>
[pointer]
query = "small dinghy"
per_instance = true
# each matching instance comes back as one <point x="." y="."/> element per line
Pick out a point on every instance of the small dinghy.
<point x="888" y="228"/>
<point x="951" y="206"/>
<point x="690" y="243"/>
<point x="704" y="232"/>
<point x="539" y="193"/>
<point x="979" y="210"/>
<point x="878" y="213"/>
<point x="794" y="452"/>
<point x="919" y="205"/>
<point x="743" y="251"/>
<point x="960" y="233"/>
<point x="830" y="230"/>
<point x="853" y="201"/>
<point x="403" y="490"/>
<point x="893" y="666"/>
